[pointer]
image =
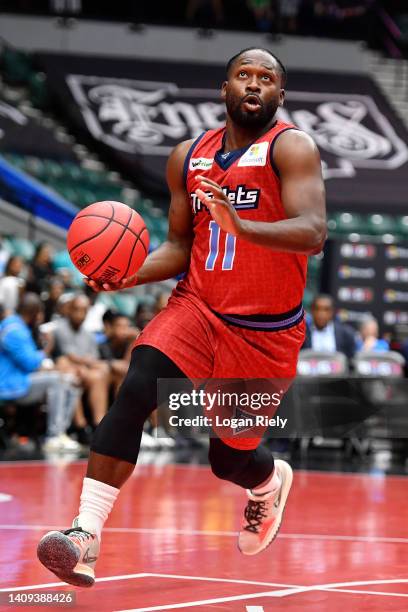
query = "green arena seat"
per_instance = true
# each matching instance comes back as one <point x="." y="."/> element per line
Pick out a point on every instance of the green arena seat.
<point x="402" y="226"/>
<point x="125" y="303"/>
<point x="16" y="66"/>
<point x="22" y="247"/>
<point x="39" y="94"/>
<point x="346" y="223"/>
<point x="381" y="224"/>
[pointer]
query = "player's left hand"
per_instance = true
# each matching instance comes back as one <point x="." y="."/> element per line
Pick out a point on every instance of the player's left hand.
<point x="221" y="209"/>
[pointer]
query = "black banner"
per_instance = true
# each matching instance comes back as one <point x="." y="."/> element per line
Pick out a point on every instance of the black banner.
<point x="368" y="278"/>
<point x="24" y="135"/>
<point x="139" y="110"/>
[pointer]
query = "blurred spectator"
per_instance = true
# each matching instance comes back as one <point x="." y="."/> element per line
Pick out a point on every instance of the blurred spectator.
<point x="289" y="11"/>
<point x="263" y="14"/>
<point x="116" y="349"/>
<point x="325" y="333"/>
<point x="56" y="289"/>
<point x="24" y="379"/>
<point x="12" y="284"/>
<point x="144" y="314"/>
<point x="97" y="308"/>
<point x="41" y="270"/>
<point x="4" y="255"/>
<point x="205" y="13"/>
<point x="162" y="300"/>
<point x="76" y="351"/>
<point x="369" y="340"/>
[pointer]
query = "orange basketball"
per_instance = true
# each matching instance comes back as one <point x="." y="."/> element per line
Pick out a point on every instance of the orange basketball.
<point x="108" y="241"/>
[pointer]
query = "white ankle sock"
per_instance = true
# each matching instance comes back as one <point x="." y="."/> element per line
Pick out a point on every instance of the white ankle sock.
<point x="97" y="499"/>
<point x="270" y="486"/>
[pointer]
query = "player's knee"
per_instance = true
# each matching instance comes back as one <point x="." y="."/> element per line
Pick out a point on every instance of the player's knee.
<point x="137" y="394"/>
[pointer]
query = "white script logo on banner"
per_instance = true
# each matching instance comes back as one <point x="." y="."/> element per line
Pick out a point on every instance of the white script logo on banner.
<point x="150" y="117"/>
<point x="13" y="114"/>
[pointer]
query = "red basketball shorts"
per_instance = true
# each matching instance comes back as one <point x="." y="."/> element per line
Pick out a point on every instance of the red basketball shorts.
<point x="204" y="346"/>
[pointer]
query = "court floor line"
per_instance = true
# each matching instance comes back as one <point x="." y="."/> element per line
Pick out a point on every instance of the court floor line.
<point x="278" y="593"/>
<point x="204" y="533"/>
<point x="48" y="585"/>
<point x="337" y="586"/>
<point x="289" y="589"/>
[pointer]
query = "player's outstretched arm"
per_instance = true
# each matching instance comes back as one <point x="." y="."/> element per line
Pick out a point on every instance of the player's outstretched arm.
<point x="303" y="197"/>
<point x="173" y="256"/>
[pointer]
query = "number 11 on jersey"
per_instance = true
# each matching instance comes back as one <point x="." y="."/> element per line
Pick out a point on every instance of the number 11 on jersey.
<point x="214" y="242"/>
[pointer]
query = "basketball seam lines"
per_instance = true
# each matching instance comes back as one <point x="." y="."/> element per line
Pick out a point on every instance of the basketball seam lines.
<point x="119" y="223"/>
<point x="114" y="246"/>
<point x="98" y="233"/>
<point x="131" y="254"/>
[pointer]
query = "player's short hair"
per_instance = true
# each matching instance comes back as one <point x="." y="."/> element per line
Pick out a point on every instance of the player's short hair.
<point x="282" y="69"/>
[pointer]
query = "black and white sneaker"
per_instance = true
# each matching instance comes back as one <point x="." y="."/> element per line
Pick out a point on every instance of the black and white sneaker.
<point x="71" y="554"/>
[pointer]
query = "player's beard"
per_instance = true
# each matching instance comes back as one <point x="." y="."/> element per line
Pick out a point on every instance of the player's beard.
<point x="250" y="119"/>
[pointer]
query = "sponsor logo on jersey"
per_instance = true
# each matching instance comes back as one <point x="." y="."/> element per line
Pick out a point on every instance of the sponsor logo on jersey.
<point x="255" y="156"/>
<point x="351" y="272"/>
<point x="201" y="163"/>
<point x="241" y="198"/>
<point x="355" y="294"/>
<point x="358" y="251"/>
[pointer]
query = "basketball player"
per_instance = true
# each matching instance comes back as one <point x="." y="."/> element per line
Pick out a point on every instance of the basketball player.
<point x="247" y="207"/>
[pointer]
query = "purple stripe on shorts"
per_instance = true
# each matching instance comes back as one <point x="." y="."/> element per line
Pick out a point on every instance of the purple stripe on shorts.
<point x="271" y="325"/>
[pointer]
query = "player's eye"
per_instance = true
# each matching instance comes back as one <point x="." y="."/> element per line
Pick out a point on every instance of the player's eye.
<point x="242" y="73"/>
<point x="266" y="77"/>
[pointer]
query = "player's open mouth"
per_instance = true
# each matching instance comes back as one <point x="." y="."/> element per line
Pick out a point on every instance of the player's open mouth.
<point x="252" y="103"/>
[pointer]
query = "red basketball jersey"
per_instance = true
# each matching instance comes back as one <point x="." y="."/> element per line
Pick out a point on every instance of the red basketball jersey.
<point x="231" y="275"/>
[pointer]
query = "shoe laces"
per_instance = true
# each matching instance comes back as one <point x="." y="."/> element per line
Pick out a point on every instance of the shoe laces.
<point x="79" y="533"/>
<point x="254" y="513"/>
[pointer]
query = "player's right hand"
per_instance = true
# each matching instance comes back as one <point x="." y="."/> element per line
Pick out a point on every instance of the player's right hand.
<point x="125" y="283"/>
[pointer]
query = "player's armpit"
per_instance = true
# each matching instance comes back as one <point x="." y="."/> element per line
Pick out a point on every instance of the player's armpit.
<point x="173" y="256"/>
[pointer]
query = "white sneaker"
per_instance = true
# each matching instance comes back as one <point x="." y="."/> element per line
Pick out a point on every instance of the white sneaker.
<point x="71" y="554"/>
<point x="162" y="438"/>
<point x="52" y="445"/>
<point x="61" y="443"/>
<point x="263" y="514"/>
<point x="68" y="444"/>
<point x="147" y="441"/>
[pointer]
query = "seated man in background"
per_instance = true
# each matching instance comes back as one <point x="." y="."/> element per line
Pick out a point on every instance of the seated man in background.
<point x="325" y="333"/>
<point x="369" y="340"/>
<point x="116" y="349"/>
<point x="23" y="379"/>
<point x="76" y="351"/>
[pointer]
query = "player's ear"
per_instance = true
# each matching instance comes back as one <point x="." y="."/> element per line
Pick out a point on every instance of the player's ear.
<point x="281" y="97"/>
<point x="224" y="90"/>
